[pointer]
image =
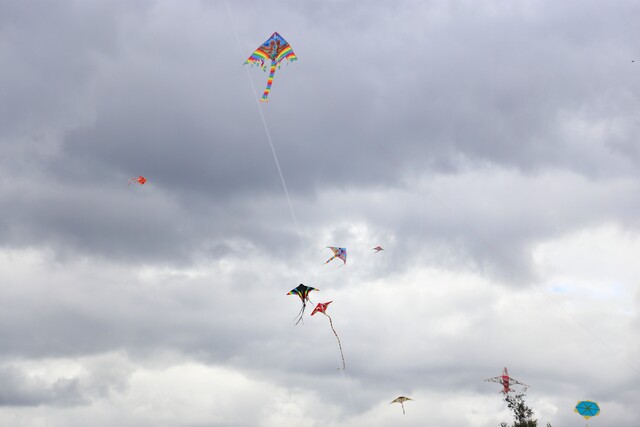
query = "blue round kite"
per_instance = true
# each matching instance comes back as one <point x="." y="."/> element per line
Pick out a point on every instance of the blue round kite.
<point x="587" y="409"/>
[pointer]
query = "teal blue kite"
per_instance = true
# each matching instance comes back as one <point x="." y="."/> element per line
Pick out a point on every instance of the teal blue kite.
<point x="587" y="409"/>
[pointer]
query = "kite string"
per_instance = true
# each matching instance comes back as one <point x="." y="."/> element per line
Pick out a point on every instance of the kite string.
<point x="266" y="129"/>
<point x="515" y="269"/>
<point x="338" y="338"/>
<point x="277" y="162"/>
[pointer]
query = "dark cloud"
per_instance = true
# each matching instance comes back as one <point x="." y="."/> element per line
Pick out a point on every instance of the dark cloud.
<point x="169" y="102"/>
<point x="21" y="390"/>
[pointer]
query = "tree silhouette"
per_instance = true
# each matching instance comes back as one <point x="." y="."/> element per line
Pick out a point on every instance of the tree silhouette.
<point x="522" y="414"/>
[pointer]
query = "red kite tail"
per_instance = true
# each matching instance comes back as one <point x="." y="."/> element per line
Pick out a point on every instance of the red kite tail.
<point x="338" y="338"/>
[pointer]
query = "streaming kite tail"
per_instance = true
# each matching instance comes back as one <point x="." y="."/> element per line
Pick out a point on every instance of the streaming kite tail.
<point x="272" y="72"/>
<point x="402" y="404"/>
<point x="330" y="259"/>
<point x="300" y="314"/>
<point x="338" y="338"/>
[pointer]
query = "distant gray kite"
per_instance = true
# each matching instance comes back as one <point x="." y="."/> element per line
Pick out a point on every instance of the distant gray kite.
<point x="401" y="401"/>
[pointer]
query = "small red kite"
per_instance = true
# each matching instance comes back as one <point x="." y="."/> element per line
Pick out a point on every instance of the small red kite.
<point x="140" y="180"/>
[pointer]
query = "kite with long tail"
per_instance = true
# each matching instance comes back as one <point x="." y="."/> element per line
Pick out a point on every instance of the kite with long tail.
<point x="340" y="253"/>
<point x="322" y="308"/>
<point x="303" y="293"/>
<point x="275" y="49"/>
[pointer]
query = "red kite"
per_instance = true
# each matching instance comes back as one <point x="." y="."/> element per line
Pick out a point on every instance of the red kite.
<point x="140" y="180"/>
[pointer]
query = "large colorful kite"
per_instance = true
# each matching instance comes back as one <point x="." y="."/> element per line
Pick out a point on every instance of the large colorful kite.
<point x="401" y="401"/>
<point x="275" y="49"/>
<point x="322" y="308"/>
<point x="303" y="292"/>
<point x="340" y="253"/>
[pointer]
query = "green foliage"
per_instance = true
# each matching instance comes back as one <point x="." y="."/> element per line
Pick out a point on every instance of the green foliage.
<point x="522" y="414"/>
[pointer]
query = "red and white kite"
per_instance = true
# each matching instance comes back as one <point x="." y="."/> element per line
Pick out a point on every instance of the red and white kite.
<point x="506" y="381"/>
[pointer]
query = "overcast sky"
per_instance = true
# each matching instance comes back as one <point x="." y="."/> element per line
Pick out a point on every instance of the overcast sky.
<point x="490" y="147"/>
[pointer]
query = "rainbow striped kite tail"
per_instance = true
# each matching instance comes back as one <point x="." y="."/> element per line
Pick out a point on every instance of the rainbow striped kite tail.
<point x="265" y="95"/>
<point x="272" y="72"/>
